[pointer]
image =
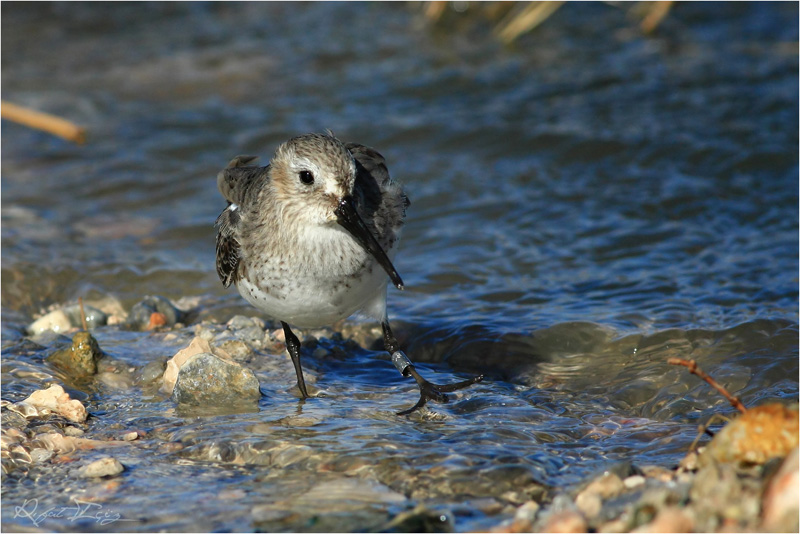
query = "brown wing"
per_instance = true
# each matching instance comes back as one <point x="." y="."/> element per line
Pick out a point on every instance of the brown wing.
<point x="237" y="176"/>
<point x="233" y="181"/>
<point x="228" y="246"/>
<point x="381" y="201"/>
<point x="371" y="166"/>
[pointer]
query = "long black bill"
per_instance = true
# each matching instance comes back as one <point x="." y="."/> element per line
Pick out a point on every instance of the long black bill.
<point x="350" y="221"/>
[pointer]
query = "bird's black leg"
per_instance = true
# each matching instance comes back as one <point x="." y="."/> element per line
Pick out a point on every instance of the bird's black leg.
<point x="293" y="346"/>
<point x="427" y="390"/>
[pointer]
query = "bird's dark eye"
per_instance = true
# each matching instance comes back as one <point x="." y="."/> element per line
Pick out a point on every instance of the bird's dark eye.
<point x="306" y="177"/>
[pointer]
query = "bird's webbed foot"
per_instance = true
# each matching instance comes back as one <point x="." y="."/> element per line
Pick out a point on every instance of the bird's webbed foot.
<point x="427" y="390"/>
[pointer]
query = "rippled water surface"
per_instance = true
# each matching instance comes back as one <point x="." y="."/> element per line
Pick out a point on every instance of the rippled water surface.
<point x="586" y="203"/>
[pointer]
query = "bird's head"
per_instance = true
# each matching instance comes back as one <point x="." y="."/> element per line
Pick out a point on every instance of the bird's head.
<point x="314" y="177"/>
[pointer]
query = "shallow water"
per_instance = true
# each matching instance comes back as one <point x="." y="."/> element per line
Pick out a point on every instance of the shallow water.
<point x="585" y="204"/>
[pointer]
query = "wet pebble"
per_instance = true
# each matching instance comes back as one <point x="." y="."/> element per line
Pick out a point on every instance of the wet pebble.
<point x="252" y="334"/>
<point x="566" y="521"/>
<point x="208" y="379"/>
<point x="206" y="331"/>
<point x="41" y="455"/>
<point x="141" y="315"/>
<point x="238" y="322"/>
<point x="719" y="490"/>
<point x="117" y="380"/>
<point x="25" y="409"/>
<point x="350" y="492"/>
<point x="19" y="454"/>
<point x="720" y="496"/>
<point x="657" y="472"/>
<point x="525" y="516"/>
<point x="589" y="504"/>
<point x="669" y="519"/>
<point x="56" y="320"/>
<point x="288" y="453"/>
<point x="754" y="437"/>
<point x="634" y="481"/>
<point x="10" y="436"/>
<point x="52" y="400"/>
<point x="605" y="486"/>
<point x="301" y="420"/>
<point x="151" y="372"/>
<point x="198" y="345"/>
<point x="110" y="306"/>
<point x="237" y="349"/>
<point x="364" y="334"/>
<point x="780" y="502"/>
<point x="102" y="468"/>
<point x="421" y="519"/>
<point x="94" y="317"/>
<point x="590" y="500"/>
<point x="68" y="317"/>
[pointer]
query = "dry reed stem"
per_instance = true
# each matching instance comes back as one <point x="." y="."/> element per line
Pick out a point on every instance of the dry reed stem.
<point x="656" y="13"/>
<point x="522" y="17"/>
<point x="83" y="315"/>
<point x="43" y="121"/>
<point x="434" y="10"/>
<point x="695" y="370"/>
<point x="532" y="15"/>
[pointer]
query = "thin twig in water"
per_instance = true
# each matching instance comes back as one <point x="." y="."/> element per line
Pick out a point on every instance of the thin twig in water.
<point x="43" y="121"/>
<point x="704" y="429"/>
<point x="83" y="315"/>
<point x="695" y="370"/>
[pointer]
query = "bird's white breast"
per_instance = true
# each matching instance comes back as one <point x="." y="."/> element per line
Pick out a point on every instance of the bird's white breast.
<point x="323" y="277"/>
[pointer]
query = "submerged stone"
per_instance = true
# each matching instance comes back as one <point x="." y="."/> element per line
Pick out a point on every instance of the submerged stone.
<point x="103" y="467"/>
<point x="208" y="379"/>
<point x="51" y="400"/>
<point x="151" y="372"/>
<point x="81" y="358"/>
<point x="421" y="519"/>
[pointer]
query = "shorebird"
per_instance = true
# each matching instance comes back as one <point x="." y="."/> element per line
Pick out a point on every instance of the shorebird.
<point x="309" y="240"/>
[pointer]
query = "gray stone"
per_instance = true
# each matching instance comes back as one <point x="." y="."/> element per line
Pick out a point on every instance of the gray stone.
<point x="94" y="317"/>
<point x="240" y="321"/>
<point x="236" y="349"/>
<point x="421" y="519"/>
<point x="68" y="317"/>
<point x="103" y="467"/>
<point x="252" y="334"/>
<point x="208" y="379"/>
<point x="56" y="321"/>
<point x="140" y="313"/>
<point x="41" y="455"/>
<point x="151" y="372"/>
